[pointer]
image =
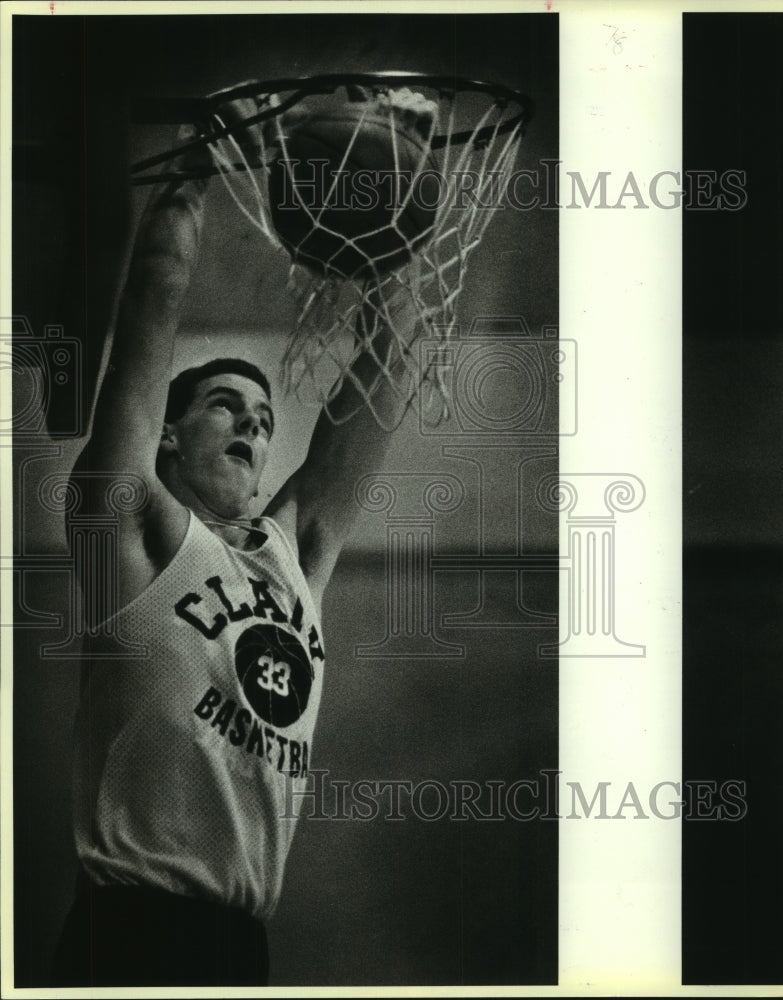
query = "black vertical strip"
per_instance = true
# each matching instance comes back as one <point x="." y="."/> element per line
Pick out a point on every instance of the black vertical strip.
<point x="70" y="202"/>
<point x="732" y="875"/>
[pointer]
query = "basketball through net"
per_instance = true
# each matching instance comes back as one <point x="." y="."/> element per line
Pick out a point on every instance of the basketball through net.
<point x="377" y="188"/>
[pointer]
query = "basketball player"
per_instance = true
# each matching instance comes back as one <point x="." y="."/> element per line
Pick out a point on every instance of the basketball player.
<point x="182" y="757"/>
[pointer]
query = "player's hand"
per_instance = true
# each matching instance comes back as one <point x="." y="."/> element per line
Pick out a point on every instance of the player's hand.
<point x="236" y="112"/>
<point x="194" y="162"/>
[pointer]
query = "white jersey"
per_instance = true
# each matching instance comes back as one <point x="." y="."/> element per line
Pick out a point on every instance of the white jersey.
<point x="183" y="757"/>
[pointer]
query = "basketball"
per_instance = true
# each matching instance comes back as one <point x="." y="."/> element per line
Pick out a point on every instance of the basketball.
<point x="343" y="193"/>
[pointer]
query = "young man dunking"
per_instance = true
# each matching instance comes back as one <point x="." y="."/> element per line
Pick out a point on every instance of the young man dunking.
<point x="182" y="757"/>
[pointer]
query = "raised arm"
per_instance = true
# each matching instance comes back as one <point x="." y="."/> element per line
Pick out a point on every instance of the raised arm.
<point x="131" y="403"/>
<point x="129" y="411"/>
<point x="317" y="505"/>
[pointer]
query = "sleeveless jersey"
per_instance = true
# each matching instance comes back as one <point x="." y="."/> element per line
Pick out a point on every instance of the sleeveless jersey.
<point x="190" y="760"/>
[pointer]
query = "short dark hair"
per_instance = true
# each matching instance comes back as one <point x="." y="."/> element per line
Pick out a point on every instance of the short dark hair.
<point x="182" y="389"/>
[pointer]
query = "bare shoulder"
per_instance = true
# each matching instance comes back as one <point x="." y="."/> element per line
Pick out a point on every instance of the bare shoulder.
<point x="147" y="524"/>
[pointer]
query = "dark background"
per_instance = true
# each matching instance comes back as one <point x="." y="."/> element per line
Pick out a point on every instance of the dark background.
<point x="375" y="903"/>
<point x="732" y="498"/>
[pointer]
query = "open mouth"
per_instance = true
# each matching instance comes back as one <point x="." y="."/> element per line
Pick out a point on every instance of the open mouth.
<point x="241" y="449"/>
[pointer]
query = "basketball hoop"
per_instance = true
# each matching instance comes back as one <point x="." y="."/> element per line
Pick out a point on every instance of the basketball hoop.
<point x="415" y="254"/>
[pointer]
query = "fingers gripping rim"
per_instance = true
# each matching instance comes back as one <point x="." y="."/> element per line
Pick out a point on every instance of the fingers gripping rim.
<point x="275" y="97"/>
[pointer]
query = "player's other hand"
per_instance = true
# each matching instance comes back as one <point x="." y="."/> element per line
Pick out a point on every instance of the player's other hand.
<point x="413" y="110"/>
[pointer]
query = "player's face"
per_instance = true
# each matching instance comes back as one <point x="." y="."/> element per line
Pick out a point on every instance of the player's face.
<point x="222" y="442"/>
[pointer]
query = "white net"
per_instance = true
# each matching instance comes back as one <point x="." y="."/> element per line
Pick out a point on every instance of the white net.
<point x="399" y="268"/>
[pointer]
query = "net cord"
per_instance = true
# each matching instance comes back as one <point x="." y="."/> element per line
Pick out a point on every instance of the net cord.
<point x="332" y="313"/>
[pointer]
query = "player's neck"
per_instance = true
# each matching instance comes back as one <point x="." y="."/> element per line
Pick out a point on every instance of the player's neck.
<point x="240" y="532"/>
<point x="243" y="533"/>
<point x="232" y="522"/>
